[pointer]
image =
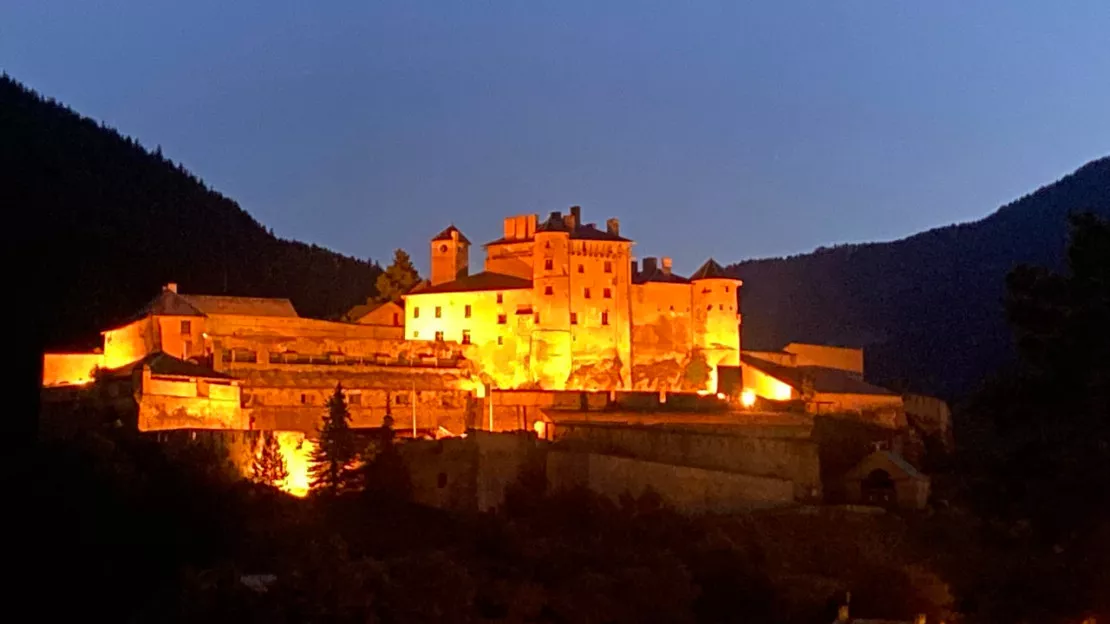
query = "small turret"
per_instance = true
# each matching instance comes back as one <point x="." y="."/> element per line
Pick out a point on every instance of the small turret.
<point x="450" y="256"/>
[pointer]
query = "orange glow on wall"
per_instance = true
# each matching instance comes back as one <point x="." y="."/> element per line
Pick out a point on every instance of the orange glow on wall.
<point x="747" y="397"/>
<point x="69" y="369"/>
<point x="763" y="385"/>
<point x="297" y="453"/>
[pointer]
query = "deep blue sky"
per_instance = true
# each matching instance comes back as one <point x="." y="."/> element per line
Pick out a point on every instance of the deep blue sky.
<point x="733" y="129"/>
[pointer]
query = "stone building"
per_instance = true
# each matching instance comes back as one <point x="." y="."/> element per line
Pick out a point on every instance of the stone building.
<point x="824" y="379"/>
<point x="562" y="305"/>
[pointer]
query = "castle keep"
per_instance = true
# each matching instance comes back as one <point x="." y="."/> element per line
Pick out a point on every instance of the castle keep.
<point x="635" y="370"/>
<point x="562" y="305"/>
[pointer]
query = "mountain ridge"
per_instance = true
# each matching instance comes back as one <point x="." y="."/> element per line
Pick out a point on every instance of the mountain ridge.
<point x="927" y="308"/>
<point x="114" y="221"/>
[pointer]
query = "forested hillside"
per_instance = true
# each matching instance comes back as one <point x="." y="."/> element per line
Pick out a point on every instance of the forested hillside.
<point x="104" y="222"/>
<point x="927" y="309"/>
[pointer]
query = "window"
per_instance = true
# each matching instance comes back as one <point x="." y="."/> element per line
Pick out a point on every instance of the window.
<point x="605" y="318"/>
<point x="466" y="311"/>
<point x="573" y="318"/>
<point x="304" y="398"/>
<point x="401" y="399"/>
<point x="548" y="264"/>
<point x="709" y="307"/>
<point x="726" y="288"/>
<point x="536" y="318"/>
<point x="547" y="290"/>
<point x="500" y="298"/>
<point x="466" y="336"/>
<point x="186" y="327"/>
<point x="500" y="340"/>
<point x="416" y="313"/>
<point x="608" y="266"/>
<point x="607" y="293"/>
<point x="415" y="333"/>
<point x="396" y="319"/>
<point x="441" y="480"/>
<point x="439" y="336"/>
<point x="439" y="312"/>
<point x="720" y="306"/>
<point x="354" y="398"/>
<point x="581" y="268"/>
<point x="501" y="319"/>
<point x="586" y="293"/>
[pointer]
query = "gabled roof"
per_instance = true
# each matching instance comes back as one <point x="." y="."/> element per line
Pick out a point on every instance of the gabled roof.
<point x="164" y="364"/>
<point x="486" y="280"/>
<point x="885" y="459"/>
<point x="506" y="241"/>
<point x="169" y="303"/>
<point x="446" y="234"/>
<point x="241" y="306"/>
<point x="825" y="380"/>
<point x="658" y="275"/>
<point x="363" y="309"/>
<point x="711" y="270"/>
<point x="588" y="231"/>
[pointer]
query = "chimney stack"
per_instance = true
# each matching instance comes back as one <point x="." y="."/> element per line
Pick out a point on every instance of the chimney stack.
<point x="172" y="287"/>
<point x="613" y="226"/>
<point x="650" y="265"/>
<point x="635" y="268"/>
<point x="666" y="266"/>
<point x="575" y="217"/>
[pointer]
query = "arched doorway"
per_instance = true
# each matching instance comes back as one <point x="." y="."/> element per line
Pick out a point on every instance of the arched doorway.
<point x="877" y="488"/>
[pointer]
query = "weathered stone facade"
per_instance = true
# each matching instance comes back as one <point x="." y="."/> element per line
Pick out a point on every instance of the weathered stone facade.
<point x="562" y="305"/>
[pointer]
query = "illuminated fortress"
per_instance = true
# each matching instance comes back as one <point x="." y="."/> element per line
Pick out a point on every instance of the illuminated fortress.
<point x="562" y="304"/>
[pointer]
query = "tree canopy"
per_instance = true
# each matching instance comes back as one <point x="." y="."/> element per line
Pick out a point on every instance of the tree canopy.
<point x="398" y="278"/>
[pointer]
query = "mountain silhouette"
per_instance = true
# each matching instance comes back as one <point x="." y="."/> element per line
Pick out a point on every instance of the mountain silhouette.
<point x="927" y="309"/>
<point x="113" y="222"/>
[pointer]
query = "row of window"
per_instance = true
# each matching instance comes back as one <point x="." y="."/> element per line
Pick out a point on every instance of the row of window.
<point x="549" y="265"/>
<point x="606" y="293"/>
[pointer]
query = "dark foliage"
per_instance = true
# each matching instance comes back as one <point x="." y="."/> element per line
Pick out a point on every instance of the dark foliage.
<point x="113" y="222"/>
<point x="928" y="309"/>
<point x="269" y="466"/>
<point x="334" y="468"/>
<point x="1035" y="443"/>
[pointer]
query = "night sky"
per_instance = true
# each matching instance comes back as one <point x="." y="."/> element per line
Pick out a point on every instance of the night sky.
<point x="732" y="129"/>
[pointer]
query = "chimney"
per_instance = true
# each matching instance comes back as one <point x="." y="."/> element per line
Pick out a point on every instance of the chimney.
<point x="172" y="287"/>
<point x="613" y="226"/>
<point x="635" y="268"/>
<point x="575" y="217"/>
<point x="454" y="236"/>
<point x="666" y="265"/>
<point x="650" y="265"/>
<point x="555" y="216"/>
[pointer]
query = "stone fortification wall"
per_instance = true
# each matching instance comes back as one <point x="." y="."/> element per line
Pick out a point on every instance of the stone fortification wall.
<point x="724" y="449"/>
<point x="63" y="369"/>
<point x="688" y="490"/>
<point x="294" y="397"/>
<point x="469" y="474"/>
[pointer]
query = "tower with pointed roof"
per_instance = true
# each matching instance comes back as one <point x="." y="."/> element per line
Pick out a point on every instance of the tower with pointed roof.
<point x="716" y="313"/>
<point x="450" y="256"/>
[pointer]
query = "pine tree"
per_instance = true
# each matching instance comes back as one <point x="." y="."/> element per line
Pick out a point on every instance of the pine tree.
<point x="333" y="462"/>
<point x="398" y="278"/>
<point x="385" y="476"/>
<point x="269" y="465"/>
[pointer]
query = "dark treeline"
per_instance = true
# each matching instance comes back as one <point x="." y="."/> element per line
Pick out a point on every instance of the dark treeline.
<point x="111" y="222"/>
<point x="927" y="309"/>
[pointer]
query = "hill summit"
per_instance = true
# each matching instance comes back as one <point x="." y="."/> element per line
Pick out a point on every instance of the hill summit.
<point x="927" y="309"/>
<point x="116" y="221"/>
